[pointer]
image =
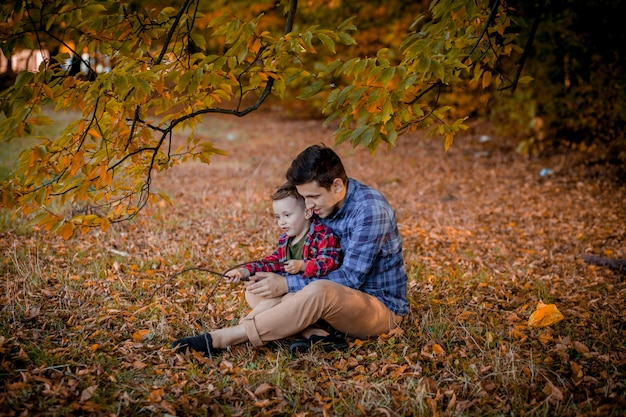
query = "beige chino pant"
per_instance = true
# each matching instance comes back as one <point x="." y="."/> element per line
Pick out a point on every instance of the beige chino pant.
<point x="350" y="311"/>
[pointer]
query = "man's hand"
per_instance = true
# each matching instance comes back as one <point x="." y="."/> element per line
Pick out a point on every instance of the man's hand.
<point x="268" y="285"/>
<point x="294" y="266"/>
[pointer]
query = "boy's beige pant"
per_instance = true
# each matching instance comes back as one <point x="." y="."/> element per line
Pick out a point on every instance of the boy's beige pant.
<point x="350" y="311"/>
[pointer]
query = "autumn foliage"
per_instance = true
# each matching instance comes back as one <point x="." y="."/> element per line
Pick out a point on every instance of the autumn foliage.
<point x="136" y="74"/>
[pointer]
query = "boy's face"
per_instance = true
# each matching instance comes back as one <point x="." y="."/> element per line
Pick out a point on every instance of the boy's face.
<point x="321" y="201"/>
<point x="290" y="215"/>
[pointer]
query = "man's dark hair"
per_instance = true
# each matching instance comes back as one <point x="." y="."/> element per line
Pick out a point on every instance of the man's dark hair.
<point x="317" y="163"/>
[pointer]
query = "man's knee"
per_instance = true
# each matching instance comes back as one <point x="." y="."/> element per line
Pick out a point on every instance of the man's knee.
<point x="323" y="290"/>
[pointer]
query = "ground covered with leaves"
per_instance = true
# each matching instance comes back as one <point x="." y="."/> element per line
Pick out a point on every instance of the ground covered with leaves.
<point x="85" y="324"/>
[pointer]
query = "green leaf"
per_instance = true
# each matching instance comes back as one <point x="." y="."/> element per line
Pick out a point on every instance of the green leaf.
<point x="95" y="8"/>
<point x="388" y="74"/>
<point x="327" y="41"/>
<point x="311" y="89"/>
<point x="525" y="79"/>
<point x="386" y="111"/>
<point x="199" y="40"/>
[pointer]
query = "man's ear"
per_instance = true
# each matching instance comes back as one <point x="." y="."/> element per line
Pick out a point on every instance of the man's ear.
<point x="337" y="185"/>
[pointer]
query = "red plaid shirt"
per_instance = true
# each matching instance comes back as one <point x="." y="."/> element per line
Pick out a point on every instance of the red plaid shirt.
<point x="321" y="253"/>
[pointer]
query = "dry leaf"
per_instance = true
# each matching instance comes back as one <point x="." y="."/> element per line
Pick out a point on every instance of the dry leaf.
<point x="553" y="392"/>
<point x="452" y="404"/>
<point x="545" y="315"/>
<point x="545" y="338"/>
<point x="264" y="388"/>
<point x="156" y="395"/>
<point x="87" y="393"/>
<point x="169" y="408"/>
<point x="577" y="370"/>
<point x="438" y="350"/>
<point x="581" y="348"/>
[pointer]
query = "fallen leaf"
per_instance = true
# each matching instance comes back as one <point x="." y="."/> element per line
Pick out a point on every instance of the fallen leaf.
<point x="156" y="395"/>
<point x="545" y="338"/>
<point x="545" y="315"/>
<point x="87" y="393"/>
<point x="452" y="404"/>
<point x="438" y="350"/>
<point x="263" y="389"/>
<point x="577" y="370"/>
<point x="141" y="335"/>
<point x="581" y="348"/>
<point x="553" y="392"/>
<point x="169" y="408"/>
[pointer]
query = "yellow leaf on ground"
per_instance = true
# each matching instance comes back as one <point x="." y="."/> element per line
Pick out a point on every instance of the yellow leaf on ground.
<point x="545" y="315"/>
<point x="156" y="395"/>
<point x="438" y="350"/>
<point x="545" y="338"/>
<point x="141" y="335"/>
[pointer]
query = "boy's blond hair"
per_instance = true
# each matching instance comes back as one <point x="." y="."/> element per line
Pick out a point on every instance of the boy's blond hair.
<point x="287" y="190"/>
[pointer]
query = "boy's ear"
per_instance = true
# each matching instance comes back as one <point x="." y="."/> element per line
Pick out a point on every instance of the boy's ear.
<point x="308" y="213"/>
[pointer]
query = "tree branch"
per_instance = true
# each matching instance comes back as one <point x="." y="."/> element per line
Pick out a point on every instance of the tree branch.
<point x="266" y="91"/>
<point x="529" y="42"/>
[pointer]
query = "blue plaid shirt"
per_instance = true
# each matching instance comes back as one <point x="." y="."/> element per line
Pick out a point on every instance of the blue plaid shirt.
<point x="372" y="248"/>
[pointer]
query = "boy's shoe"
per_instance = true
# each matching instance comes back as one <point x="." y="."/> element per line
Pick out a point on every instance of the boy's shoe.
<point x="202" y="343"/>
<point x="327" y="343"/>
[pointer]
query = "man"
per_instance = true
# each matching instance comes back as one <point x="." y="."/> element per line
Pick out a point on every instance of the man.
<point x="364" y="297"/>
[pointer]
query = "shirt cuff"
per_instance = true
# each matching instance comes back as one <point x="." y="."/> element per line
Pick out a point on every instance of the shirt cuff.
<point x="294" y="283"/>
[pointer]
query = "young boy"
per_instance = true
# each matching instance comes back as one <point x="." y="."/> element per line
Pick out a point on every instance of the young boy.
<point x="306" y="246"/>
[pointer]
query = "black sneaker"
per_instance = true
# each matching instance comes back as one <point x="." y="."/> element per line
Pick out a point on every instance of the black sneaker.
<point x="202" y="343"/>
<point x="327" y="343"/>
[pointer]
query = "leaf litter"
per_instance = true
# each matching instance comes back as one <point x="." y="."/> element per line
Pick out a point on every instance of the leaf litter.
<point x="487" y="241"/>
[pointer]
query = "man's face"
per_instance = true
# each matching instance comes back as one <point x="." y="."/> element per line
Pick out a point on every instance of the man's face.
<point x="321" y="201"/>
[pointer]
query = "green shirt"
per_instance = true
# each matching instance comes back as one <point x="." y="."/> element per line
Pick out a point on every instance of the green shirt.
<point x="294" y="251"/>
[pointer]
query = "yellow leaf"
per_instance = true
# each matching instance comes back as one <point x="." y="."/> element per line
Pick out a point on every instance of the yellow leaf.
<point x="517" y="331"/>
<point x="156" y="395"/>
<point x="545" y="315"/>
<point x="141" y="335"/>
<point x="105" y="224"/>
<point x="254" y="45"/>
<point x="94" y="133"/>
<point x="545" y="338"/>
<point x="438" y="350"/>
<point x="66" y="231"/>
<point x="577" y="370"/>
<point x="486" y="79"/>
<point x="47" y="91"/>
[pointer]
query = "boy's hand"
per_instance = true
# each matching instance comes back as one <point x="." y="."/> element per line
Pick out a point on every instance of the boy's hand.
<point x="236" y="275"/>
<point x="294" y="266"/>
